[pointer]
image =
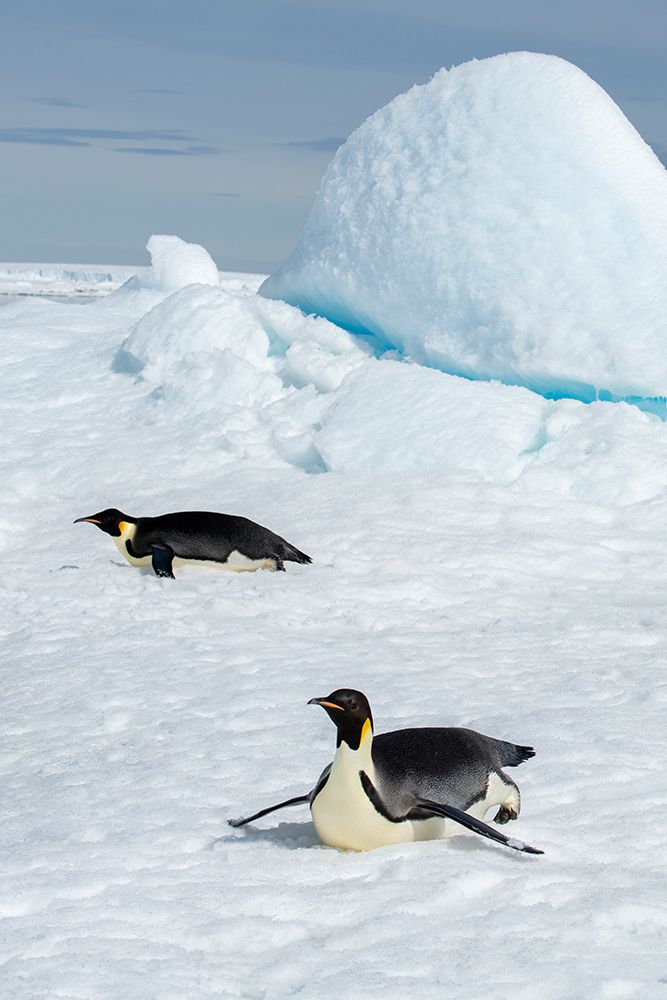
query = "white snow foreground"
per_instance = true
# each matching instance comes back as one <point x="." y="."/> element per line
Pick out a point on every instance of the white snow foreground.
<point x="483" y="557"/>
<point x="503" y="221"/>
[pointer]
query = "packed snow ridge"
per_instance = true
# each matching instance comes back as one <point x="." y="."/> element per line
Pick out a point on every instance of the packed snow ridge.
<point x="504" y="221"/>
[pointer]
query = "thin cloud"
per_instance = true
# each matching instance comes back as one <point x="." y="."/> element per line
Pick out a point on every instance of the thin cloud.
<point x="166" y="151"/>
<point x="85" y="136"/>
<point x="36" y="137"/>
<point x="55" y="102"/>
<point x="155" y="90"/>
<point x="327" y="145"/>
<point x="223" y="194"/>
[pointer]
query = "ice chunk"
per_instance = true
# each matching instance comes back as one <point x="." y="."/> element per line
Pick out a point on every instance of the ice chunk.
<point x="203" y="345"/>
<point x="503" y="221"/>
<point x="406" y="419"/>
<point x="196" y="321"/>
<point x="396" y="417"/>
<point x="602" y="453"/>
<point x="176" y="263"/>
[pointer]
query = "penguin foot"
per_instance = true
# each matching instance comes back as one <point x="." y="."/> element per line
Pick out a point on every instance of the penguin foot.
<point x="162" y="557"/>
<point x="505" y="814"/>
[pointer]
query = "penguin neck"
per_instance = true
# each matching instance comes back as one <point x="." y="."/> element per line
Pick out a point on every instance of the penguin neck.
<point x="127" y="532"/>
<point x="361" y="759"/>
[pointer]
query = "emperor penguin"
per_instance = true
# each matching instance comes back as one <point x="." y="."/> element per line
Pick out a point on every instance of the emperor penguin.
<point x="195" y="536"/>
<point x="407" y="785"/>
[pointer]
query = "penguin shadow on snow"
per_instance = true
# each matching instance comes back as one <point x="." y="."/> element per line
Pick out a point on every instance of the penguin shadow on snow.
<point x="291" y="836"/>
<point x="302" y="837"/>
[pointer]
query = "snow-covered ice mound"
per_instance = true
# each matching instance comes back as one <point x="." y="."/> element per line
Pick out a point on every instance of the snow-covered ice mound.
<point x="260" y="381"/>
<point x="254" y="375"/>
<point x="402" y="419"/>
<point x="175" y="264"/>
<point x="503" y="221"/>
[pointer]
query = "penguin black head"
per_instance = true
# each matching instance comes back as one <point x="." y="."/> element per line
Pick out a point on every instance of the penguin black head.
<point x="108" y="520"/>
<point x="350" y="712"/>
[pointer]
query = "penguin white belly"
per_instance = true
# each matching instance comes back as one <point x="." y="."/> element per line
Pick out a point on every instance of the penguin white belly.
<point x="127" y="534"/>
<point x="344" y="816"/>
<point x="236" y="563"/>
<point x="239" y="563"/>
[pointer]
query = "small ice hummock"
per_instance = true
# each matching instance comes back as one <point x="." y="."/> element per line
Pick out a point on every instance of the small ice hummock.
<point x="175" y="264"/>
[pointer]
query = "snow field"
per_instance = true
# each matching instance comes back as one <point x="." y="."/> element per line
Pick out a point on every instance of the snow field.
<point x="517" y="587"/>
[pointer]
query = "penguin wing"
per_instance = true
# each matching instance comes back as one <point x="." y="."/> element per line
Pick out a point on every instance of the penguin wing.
<point x="297" y="800"/>
<point x="321" y="782"/>
<point x="424" y="806"/>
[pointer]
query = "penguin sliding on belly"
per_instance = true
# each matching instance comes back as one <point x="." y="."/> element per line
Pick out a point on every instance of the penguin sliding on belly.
<point x="195" y="536"/>
<point x="412" y="784"/>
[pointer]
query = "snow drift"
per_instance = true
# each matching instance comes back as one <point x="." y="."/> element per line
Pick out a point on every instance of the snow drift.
<point x="175" y="264"/>
<point x="503" y="221"/>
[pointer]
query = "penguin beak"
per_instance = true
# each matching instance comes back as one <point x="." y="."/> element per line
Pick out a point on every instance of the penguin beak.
<point x="90" y="520"/>
<point x="325" y="704"/>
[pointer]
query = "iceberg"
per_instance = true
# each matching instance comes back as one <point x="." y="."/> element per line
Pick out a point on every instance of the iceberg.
<point x="504" y="221"/>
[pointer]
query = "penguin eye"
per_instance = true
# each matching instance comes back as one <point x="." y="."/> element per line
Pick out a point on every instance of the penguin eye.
<point x="353" y="705"/>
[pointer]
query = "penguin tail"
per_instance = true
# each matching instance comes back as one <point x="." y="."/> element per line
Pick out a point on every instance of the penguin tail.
<point x="294" y="555"/>
<point x="512" y="754"/>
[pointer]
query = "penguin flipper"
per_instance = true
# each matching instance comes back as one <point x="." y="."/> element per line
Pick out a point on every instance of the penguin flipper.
<point x="162" y="557"/>
<point x="476" y="825"/>
<point x="297" y="800"/>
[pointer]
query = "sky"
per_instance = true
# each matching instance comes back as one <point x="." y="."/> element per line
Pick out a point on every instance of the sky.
<point x="215" y="120"/>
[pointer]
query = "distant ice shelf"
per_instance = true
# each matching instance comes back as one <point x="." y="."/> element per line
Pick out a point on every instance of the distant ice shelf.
<point x="71" y="280"/>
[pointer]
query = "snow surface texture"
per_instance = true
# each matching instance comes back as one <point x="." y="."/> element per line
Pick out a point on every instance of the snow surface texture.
<point x="503" y="221"/>
<point x="483" y="557"/>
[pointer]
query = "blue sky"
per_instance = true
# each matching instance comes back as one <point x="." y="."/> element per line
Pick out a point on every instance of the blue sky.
<point x="215" y="119"/>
